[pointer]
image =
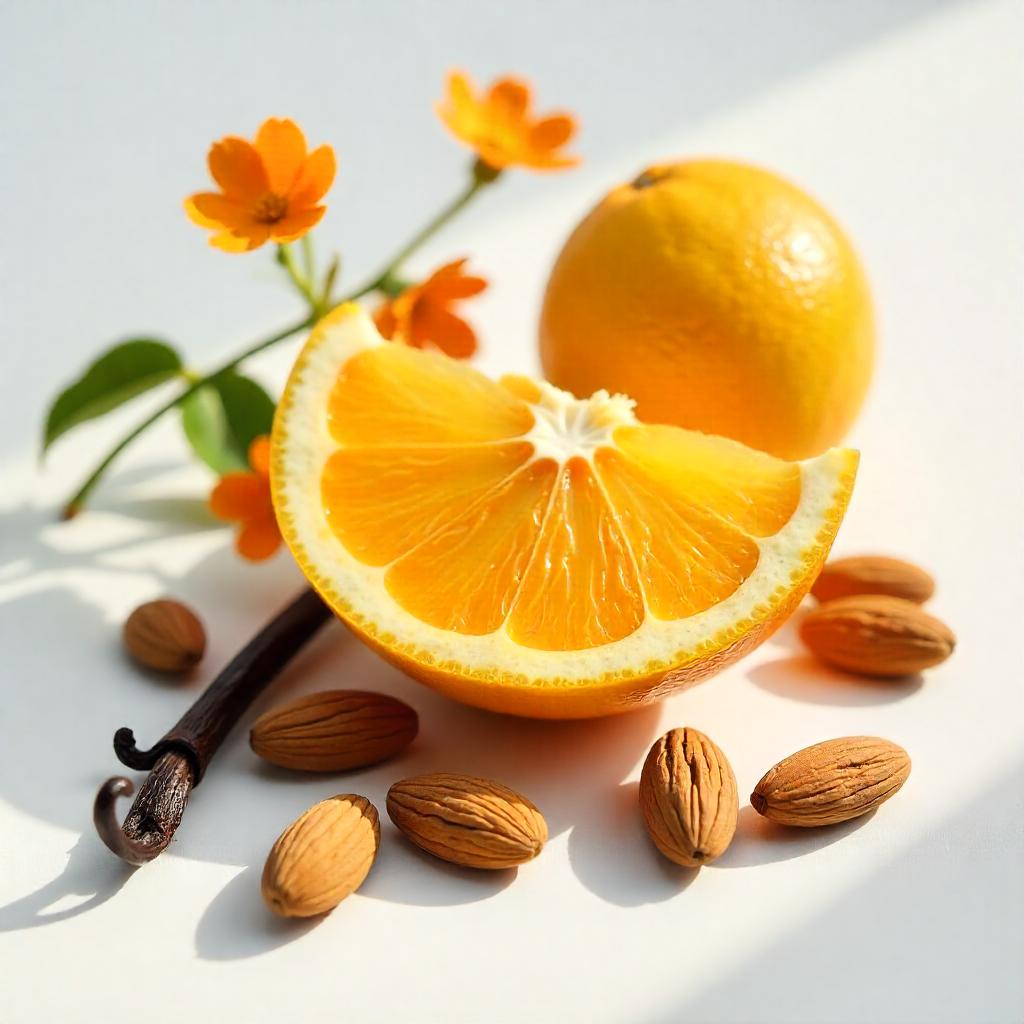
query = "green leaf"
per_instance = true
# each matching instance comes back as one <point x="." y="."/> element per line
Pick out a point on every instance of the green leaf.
<point x="126" y="370"/>
<point x="224" y="417"/>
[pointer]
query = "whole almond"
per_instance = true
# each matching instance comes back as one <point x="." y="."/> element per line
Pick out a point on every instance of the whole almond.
<point x="322" y="857"/>
<point x="832" y="781"/>
<point x="466" y="820"/>
<point x="873" y="574"/>
<point x="165" y="636"/>
<point x="879" y="636"/>
<point x="688" y="798"/>
<point x="334" y="731"/>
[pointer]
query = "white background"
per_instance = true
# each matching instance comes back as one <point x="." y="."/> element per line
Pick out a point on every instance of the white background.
<point x="905" y="119"/>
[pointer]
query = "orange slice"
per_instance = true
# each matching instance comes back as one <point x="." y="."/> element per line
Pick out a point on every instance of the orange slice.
<point x="528" y="552"/>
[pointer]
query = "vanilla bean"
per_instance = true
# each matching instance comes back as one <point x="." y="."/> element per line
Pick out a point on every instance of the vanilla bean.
<point x="178" y="761"/>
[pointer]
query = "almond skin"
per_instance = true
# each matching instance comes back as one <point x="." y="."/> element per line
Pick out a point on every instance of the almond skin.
<point x="165" y="636"/>
<point x="873" y="574"/>
<point x="322" y="857"/>
<point x="688" y="798"/>
<point x="832" y="781"/>
<point x="466" y="820"/>
<point x="873" y="635"/>
<point x="334" y="731"/>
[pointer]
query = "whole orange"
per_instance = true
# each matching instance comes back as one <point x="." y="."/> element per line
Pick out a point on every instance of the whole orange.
<point x="722" y="298"/>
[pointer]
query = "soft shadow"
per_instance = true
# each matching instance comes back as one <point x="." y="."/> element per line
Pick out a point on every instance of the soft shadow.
<point x="237" y="923"/>
<point x="760" y="841"/>
<point x="90" y="877"/>
<point x="937" y="923"/>
<point x="804" y="678"/>
<point x="406" y="874"/>
<point x="187" y="513"/>
<point x="611" y="853"/>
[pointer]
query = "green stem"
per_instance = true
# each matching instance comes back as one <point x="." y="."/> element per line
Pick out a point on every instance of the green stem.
<point x="462" y="200"/>
<point x="308" y="258"/>
<point x="286" y="257"/>
<point x="317" y="309"/>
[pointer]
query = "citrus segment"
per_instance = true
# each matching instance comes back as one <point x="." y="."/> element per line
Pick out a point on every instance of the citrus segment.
<point x="465" y="576"/>
<point x="581" y="588"/>
<point x="526" y="551"/>
<point x="689" y="559"/>
<point x="381" y="502"/>
<point x="397" y="395"/>
<point x="755" y="492"/>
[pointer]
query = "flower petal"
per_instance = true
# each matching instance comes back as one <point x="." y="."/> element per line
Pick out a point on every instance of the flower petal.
<point x="238" y="169"/>
<point x="509" y="98"/>
<point x="282" y="148"/>
<point x="258" y="538"/>
<point x="449" y="282"/>
<point x="552" y="132"/>
<point x="460" y="90"/>
<point x="259" y="456"/>
<point x="238" y="496"/>
<point x="496" y="155"/>
<point x="296" y="224"/>
<point x="213" y="210"/>
<point x="243" y="239"/>
<point x="546" y="161"/>
<point x="440" y="327"/>
<point x="384" y="319"/>
<point x="315" y="178"/>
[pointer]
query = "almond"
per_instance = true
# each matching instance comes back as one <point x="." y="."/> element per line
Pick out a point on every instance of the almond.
<point x="165" y="636"/>
<point x="832" y="781"/>
<point x="873" y="574"/>
<point x="466" y="820"/>
<point x="688" y="798"/>
<point x="322" y="857"/>
<point x="877" y="636"/>
<point x="334" y="731"/>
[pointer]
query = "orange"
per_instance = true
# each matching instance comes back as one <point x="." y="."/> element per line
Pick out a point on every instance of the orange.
<point x="525" y="551"/>
<point x="721" y="298"/>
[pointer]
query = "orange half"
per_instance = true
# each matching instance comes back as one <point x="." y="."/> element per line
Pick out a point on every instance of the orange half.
<point x="523" y="550"/>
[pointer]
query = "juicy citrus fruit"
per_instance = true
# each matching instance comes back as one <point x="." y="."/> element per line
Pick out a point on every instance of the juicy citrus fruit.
<point x="720" y="298"/>
<point x="527" y="552"/>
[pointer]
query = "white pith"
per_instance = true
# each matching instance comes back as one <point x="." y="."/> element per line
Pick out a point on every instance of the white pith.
<point x="564" y="427"/>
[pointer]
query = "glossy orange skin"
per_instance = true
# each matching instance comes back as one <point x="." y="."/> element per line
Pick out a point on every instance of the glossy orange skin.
<point x="720" y="297"/>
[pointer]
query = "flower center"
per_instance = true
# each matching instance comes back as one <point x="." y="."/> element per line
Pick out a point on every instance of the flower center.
<point x="270" y="209"/>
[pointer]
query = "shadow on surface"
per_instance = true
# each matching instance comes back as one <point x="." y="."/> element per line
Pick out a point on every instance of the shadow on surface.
<point x="760" y="841"/>
<point x="405" y="874"/>
<point x="613" y="856"/>
<point x="237" y="923"/>
<point x="957" y="957"/>
<point x="804" y="678"/>
<point x="90" y="878"/>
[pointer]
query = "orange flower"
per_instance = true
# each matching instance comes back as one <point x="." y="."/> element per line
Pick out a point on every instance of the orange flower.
<point x="421" y="316"/>
<point x="269" y="189"/>
<point x="498" y="125"/>
<point x="245" y="497"/>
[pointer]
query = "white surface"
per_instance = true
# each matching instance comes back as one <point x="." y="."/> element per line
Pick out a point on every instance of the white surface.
<point x="905" y="119"/>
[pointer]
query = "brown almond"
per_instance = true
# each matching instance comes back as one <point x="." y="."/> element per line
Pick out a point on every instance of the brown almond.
<point x="322" y="857"/>
<point x="165" y="636"/>
<point x="334" y="731"/>
<point x="873" y="574"/>
<point x="878" y="636"/>
<point x="688" y="798"/>
<point x="466" y="820"/>
<point x="832" y="781"/>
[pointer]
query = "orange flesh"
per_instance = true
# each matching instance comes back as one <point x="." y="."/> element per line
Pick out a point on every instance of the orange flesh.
<point x="431" y="484"/>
